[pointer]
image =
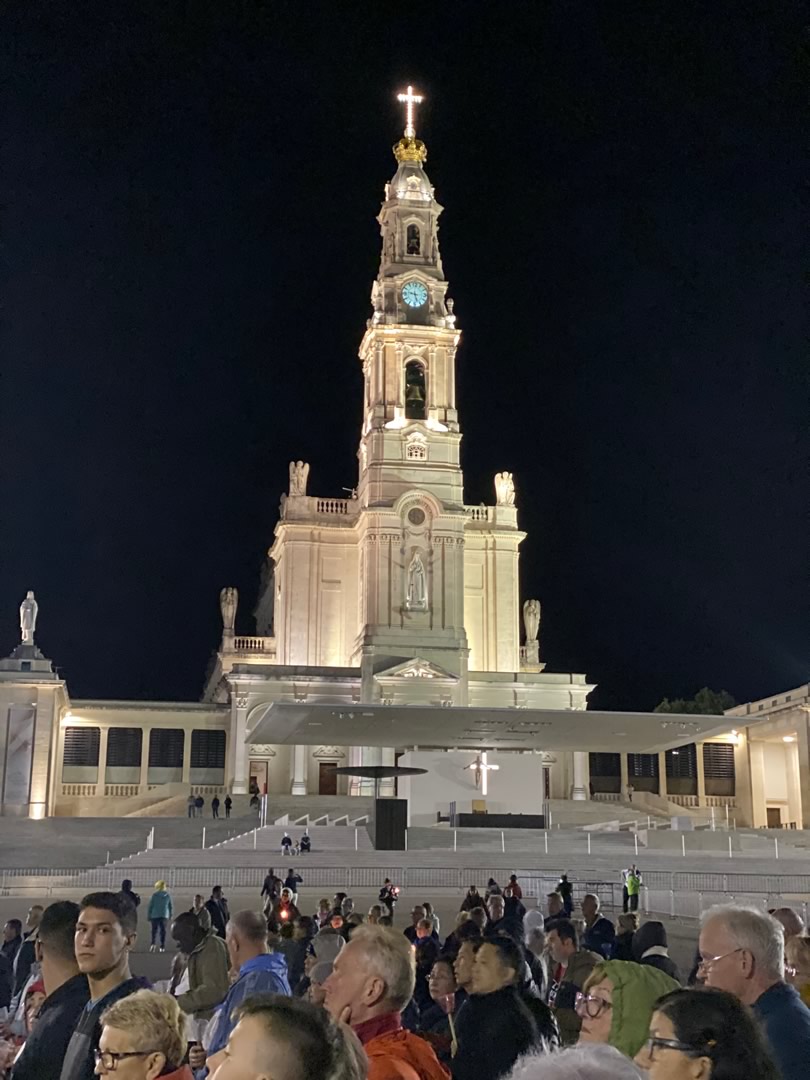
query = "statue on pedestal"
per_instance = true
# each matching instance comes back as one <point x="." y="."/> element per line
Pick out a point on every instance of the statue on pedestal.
<point x="28" y="618"/>
<point x="531" y="619"/>
<point x="504" y="489"/>
<point x="299" y="473"/>
<point x="417" y="584"/>
<point x="228" y="600"/>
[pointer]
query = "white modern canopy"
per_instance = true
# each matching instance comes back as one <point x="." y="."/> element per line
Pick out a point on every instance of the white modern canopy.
<point x="406" y="726"/>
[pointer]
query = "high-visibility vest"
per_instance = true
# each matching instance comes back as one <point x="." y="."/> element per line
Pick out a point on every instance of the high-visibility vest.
<point x="633" y="884"/>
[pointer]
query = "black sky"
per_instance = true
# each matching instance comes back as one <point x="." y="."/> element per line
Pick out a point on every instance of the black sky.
<point x="190" y="240"/>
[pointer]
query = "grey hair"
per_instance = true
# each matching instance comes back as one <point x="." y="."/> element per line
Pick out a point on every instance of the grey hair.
<point x="588" y="1061"/>
<point x="755" y="931"/>
<point x="594" y="897"/>
<point x="389" y="955"/>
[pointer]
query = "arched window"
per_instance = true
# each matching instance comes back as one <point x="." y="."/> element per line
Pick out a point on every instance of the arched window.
<point x="416" y="452"/>
<point x="415" y="396"/>
<point x="413" y="240"/>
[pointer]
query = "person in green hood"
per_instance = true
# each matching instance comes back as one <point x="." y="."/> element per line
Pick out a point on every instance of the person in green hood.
<point x="617" y="1001"/>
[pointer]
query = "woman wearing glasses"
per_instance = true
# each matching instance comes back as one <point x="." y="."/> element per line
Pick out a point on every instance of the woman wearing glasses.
<point x="143" y="1037"/>
<point x="704" y="1034"/>
<point x="617" y="1001"/>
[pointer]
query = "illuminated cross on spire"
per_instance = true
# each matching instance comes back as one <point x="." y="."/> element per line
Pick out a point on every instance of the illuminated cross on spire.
<point x="410" y="99"/>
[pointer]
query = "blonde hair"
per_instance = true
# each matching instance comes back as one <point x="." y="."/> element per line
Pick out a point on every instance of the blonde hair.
<point x="153" y="1020"/>
<point x="629" y="921"/>
<point x="390" y="956"/>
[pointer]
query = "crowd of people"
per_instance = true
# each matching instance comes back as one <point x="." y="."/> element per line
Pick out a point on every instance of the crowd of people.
<point x="559" y="993"/>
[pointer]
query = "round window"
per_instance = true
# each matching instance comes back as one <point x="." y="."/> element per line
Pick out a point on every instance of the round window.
<point x="416" y="516"/>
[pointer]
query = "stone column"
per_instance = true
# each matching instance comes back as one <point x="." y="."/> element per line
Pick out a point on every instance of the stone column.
<point x="662" y="773"/>
<point x="187" y="757"/>
<point x="102" y="761"/>
<point x="624" y="776"/>
<point x="579" y="791"/>
<point x="299" y="780"/>
<point x="144" y="780"/>
<point x="239" y="705"/>
<point x="701" y="777"/>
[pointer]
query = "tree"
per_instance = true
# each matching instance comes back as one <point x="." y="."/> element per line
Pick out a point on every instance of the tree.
<point x="706" y="702"/>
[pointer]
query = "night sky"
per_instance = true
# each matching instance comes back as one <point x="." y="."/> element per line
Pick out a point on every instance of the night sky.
<point x="189" y="245"/>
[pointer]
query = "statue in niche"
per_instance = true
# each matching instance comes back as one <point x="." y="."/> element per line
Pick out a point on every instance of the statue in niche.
<point x="504" y="489"/>
<point x="228" y="599"/>
<point x="531" y="619"/>
<point x="417" y="584"/>
<point x="29" y="609"/>
<point x="299" y="473"/>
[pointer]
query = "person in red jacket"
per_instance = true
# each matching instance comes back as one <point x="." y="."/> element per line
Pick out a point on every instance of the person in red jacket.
<point x="372" y="981"/>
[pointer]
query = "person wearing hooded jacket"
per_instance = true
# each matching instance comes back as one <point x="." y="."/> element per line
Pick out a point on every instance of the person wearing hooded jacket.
<point x="650" y="947"/>
<point x="159" y="911"/>
<point x="617" y="1003"/>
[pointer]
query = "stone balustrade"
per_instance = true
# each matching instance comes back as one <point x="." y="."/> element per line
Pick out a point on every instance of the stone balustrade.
<point x="255" y="645"/>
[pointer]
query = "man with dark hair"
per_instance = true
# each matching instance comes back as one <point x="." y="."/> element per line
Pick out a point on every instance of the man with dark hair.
<point x="495" y="1027"/>
<point x="572" y="966"/>
<point x="600" y="933"/>
<point x="207" y="966"/>
<point x="25" y="955"/>
<point x="12" y="939"/>
<point x="217" y="907"/>
<point x="106" y="931"/>
<point x="66" y="990"/>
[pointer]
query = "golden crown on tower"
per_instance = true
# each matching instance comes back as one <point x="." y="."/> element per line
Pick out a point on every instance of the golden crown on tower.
<point x="410" y="148"/>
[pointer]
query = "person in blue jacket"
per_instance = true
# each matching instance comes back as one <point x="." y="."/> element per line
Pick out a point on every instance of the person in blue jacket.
<point x="260" y="972"/>
<point x="158" y="913"/>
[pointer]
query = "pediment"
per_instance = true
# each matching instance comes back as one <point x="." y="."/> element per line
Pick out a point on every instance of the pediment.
<point x="417" y="668"/>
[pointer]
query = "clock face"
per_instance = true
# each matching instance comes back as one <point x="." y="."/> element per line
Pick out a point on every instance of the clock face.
<point x="414" y="293"/>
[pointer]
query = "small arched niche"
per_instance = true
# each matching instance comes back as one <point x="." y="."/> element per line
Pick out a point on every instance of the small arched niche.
<point x="415" y="391"/>
<point x="413" y="240"/>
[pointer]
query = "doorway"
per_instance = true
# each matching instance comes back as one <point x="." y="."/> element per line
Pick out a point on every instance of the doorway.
<point x="774" y="817"/>
<point x="258" y="772"/>
<point x="327" y="778"/>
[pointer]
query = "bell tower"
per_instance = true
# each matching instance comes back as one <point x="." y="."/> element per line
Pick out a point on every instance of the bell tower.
<point x="410" y="481"/>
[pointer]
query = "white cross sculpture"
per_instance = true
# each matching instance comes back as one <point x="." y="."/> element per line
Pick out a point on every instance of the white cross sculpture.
<point x="410" y="99"/>
<point x="482" y="767"/>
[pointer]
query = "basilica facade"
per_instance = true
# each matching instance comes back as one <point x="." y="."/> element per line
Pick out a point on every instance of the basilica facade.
<point x="402" y="592"/>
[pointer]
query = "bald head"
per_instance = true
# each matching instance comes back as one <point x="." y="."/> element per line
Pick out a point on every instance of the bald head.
<point x="246" y="937"/>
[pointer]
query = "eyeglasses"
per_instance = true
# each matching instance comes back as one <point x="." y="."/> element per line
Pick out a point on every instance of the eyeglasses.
<point x="592" y="1007"/>
<point x="706" y="964"/>
<point x="654" y="1043"/>
<point x="108" y="1059"/>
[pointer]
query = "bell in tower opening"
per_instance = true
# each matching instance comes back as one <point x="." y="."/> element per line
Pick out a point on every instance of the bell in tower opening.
<point x="415" y="397"/>
<point x="414" y="242"/>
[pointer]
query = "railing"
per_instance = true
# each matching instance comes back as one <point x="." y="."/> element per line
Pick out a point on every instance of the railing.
<point x="333" y="506"/>
<point x="684" y="800"/>
<point x="721" y="801"/>
<point x="478" y="513"/>
<point x="606" y="796"/>
<point x="255" y="644"/>
<point x="122" y="790"/>
<point x="677" y="894"/>
<point x="82" y="790"/>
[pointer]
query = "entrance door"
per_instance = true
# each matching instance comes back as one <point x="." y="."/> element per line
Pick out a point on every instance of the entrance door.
<point x="774" y="817"/>
<point x="258" y="772"/>
<point x="327" y="778"/>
